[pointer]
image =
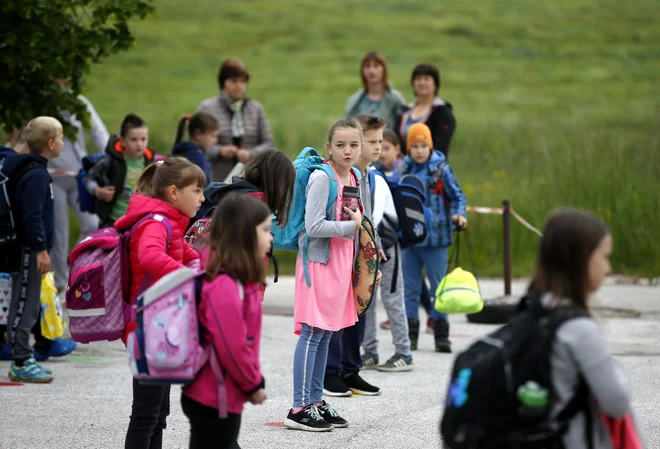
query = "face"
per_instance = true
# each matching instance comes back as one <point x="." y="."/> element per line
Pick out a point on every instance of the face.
<point x="424" y="85"/>
<point x="264" y="237"/>
<point x="373" y="72"/>
<point x="235" y="87"/>
<point x="136" y="142"/>
<point x="371" y="148"/>
<point x="420" y="152"/>
<point x="55" y="145"/>
<point x="599" y="264"/>
<point x="207" y="139"/>
<point x="188" y="200"/>
<point x="345" y="148"/>
<point x="389" y="154"/>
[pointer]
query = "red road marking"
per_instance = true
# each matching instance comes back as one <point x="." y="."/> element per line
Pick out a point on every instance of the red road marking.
<point x="274" y="424"/>
<point x="11" y="384"/>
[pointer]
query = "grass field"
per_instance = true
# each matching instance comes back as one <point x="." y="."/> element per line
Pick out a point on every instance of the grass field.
<point x="556" y="102"/>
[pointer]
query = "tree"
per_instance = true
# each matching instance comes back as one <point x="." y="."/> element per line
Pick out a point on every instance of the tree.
<point x="42" y="41"/>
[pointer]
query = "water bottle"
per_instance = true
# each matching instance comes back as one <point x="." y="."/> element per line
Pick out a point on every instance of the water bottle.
<point x="533" y="399"/>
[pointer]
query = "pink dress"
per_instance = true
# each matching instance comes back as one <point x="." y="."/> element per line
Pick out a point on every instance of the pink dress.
<point x="328" y="303"/>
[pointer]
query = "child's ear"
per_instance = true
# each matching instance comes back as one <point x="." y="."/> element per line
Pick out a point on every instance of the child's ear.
<point x="172" y="193"/>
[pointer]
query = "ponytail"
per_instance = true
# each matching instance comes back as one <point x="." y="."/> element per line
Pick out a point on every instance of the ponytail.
<point x="144" y="184"/>
<point x="181" y="128"/>
<point x="174" y="171"/>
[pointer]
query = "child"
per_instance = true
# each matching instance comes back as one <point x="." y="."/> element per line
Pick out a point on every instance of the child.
<point x="203" y="131"/>
<point x="342" y="376"/>
<point x="240" y="237"/>
<point x="173" y="189"/>
<point x="319" y="311"/>
<point x="431" y="167"/>
<point x="31" y="196"/>
<point x="112" y="179"/>
<point x="573" y="261"/>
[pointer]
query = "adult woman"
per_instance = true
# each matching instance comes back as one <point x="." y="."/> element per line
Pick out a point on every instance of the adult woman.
<point x="429" y="108"/>
<point x="377" y="96"/>
<point x="244" y="128"/>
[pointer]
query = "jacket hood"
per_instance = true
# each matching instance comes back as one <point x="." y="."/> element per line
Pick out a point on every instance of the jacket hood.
<point x="116" y="149"/>
<point x="437" y="102"/>
<point x="11" y="163"/>
<point x="141" y="205"/>
<point x="432" y="163"/>
<point x="182" y="148"/>
<point x="216" y="190"/>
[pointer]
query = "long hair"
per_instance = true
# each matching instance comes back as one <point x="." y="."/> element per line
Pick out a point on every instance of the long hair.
<point x="202" y="122"/>
<point x="174" y="171"/>
<point x="379" y="58"/>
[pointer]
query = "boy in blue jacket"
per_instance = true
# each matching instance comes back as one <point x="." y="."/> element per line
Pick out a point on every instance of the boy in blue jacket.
<point x="447" y="203"/>
<point x="31" y="197"/>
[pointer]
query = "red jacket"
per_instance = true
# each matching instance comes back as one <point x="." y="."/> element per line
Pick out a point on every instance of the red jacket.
<point x="148" y="252"/>
<point x="233" y="329"/>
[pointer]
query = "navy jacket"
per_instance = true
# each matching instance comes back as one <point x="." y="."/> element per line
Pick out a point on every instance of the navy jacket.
<point x="195" y="155"/>
<point x="33" y="202"/>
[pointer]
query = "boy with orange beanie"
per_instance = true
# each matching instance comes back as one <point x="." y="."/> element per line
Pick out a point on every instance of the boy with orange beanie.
<point x="447" y="203"/>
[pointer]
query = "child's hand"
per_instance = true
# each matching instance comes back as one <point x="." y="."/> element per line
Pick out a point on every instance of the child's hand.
<point x="460" y="221"/>
<point x="243" y="155"/>
<point x="356" y="216"/>
<point x="106" y="193"/>
<point x="43" y="262"/>
<point x="228" y="151"/>
<point x="383" y="256"/>
<point x="379" y="278"/>
<point x="258" y="397"/>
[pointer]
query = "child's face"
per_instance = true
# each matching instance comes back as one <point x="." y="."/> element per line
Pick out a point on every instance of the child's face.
<point x="599" y="264"/>
<point x="420" y="152"/>
<point x="135" y="142"/>
<point x="264" y="237"/>
<point x="371" y="148"/>
<point x="207" y="139"/>
<point x="188" y="200"/>
<point x="345" y="147"/>
<point x="55" y="145"/>
<point x="389" y="154"/>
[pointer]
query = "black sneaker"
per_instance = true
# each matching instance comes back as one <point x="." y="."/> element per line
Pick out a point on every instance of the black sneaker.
<point x="333" y="385"/>
<point x="397" y="363"/>
<point x="308" y="419"/>
<point x="360" y="386"/>
<point x="330" y="415"/>
<point x="369" y="361"/>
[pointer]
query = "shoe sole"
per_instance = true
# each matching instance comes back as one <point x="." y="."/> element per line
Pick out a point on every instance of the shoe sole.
<point x="290" y="424"/>
<point x="334" y="394"/>
<point x="33" y="381"/>
<point x="365" y="393"/>
<point x="397" y="369"/>
<point x="370" y="367"/>
<point x="340" y="426"/>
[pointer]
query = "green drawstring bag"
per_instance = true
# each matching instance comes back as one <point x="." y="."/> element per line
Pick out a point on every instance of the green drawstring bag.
<point x="458" y="293"/>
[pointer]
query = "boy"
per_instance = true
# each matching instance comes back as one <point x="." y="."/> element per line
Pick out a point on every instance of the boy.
<point x="112" y="179"/>
<point x="431" y="167"/>
<point x="342" y="370"/>
<point x="31" y="197"/>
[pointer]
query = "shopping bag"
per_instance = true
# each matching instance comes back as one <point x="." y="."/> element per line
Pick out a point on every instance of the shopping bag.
<point x="52" y="326"/>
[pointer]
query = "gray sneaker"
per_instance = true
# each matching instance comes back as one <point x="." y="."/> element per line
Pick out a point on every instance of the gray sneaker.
<point x="397" y="363"/>
<point x="369" y="361"/>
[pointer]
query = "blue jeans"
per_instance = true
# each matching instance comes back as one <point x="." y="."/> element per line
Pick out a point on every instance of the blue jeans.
<point x="309" y="365"/>
<point x="414" y="260"/>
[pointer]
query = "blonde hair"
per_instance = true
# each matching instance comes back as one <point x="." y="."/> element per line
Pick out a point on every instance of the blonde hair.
<point x="175" y="171"/>
<point x="39" y="131"/>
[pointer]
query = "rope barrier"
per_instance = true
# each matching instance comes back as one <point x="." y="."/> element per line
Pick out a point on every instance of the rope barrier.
<point x="500" y="211"/>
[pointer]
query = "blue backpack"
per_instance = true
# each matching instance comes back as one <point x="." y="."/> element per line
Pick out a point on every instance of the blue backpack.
<point x="286" y="238"/>
<point x="87" y="200"/>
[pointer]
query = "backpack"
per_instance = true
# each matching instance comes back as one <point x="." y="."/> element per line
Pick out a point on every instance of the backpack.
<point x="167" y="347"/>
<point x="87" y="200"/>
<point x="97" y="294"/>
<point x="501" y="393"/>
<point x="409" y="195"/>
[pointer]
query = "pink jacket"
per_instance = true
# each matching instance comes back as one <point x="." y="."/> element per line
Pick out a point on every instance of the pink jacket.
<point x="233" y="328"/>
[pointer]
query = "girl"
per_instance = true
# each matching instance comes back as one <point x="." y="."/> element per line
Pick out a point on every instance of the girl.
<point x="573" y="261"/>
<point x="203" y="131"/>
<point x="320" y="310"/>
<point x="230" y="312"/>
<point x="173" y="189"/>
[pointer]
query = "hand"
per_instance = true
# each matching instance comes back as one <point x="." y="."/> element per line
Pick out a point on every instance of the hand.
<point x="379" y="278"/>
<point x="106" y="193"/>
<point x="43" y="262"/>
<point x="258" y="397"/>
<point x="228" y="151"/>
<point x="383" y="256"/>
<point x="460" y="221"/>
<point x="12" y="139"/>
<point x="243" y="155"/>
<point x="356" y="216"/>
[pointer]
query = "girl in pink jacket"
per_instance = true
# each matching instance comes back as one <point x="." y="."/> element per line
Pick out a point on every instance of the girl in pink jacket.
<point x="230" y="312"/>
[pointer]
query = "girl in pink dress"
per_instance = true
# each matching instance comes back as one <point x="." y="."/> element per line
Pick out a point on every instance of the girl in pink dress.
<point x="328" y="304"/>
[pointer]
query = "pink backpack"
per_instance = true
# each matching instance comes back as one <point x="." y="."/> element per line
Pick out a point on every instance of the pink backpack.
<point x="97" y="294"/>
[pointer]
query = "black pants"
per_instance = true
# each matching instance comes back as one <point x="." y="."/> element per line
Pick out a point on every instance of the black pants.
<point x="151" y="405"/>
<point x="344" y="350"/>
<point x="207" y="430"/>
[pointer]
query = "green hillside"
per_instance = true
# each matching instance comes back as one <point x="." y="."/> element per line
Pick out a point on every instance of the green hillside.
<point x="556" y="102"/>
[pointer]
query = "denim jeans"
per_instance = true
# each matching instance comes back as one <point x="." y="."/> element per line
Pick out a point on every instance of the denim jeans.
<point x="414" y="260"/>
<point x="309" y="365"/>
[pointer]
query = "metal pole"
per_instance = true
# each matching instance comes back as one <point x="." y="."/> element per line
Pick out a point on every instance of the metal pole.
<point x="506" y="226"/>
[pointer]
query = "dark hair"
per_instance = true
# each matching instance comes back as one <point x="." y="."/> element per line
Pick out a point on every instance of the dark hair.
<point x="378" y="57"/>
<point x="272" y="172"/>
<point x="426" y="69"/>
<point x="562" y="268"/>
<point x="370" y="122"/>
<point x="131" y="121"/>
<point x="233" y="238"/>
<point x="174" y="171"/>
<point x="232" y="68"/>
<point x="391" y="137"/>
<point x="346" y="122"/>
<point x="202" y="122"/>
